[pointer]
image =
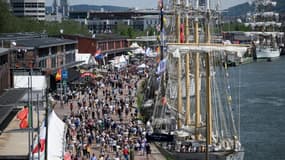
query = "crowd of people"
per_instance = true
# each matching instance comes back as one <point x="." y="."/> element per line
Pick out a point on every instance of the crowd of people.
<point x="104" y="122"/>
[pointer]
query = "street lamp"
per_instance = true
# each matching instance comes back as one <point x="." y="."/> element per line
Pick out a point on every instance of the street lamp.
<point x="20" y="52"/>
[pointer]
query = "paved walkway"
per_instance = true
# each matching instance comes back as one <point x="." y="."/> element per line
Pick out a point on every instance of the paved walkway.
<point x="65" y="111"/>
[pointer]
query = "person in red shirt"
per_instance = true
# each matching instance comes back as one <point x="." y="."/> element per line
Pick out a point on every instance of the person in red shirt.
<point x="126" y="153"/>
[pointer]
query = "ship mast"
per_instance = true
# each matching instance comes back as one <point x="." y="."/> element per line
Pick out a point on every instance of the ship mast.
<point x="187" y="66"/>
<point x="208" y="74"/>
<point x="208" y="16"/>
<point x="197" y="77"/>
<point x="179" y="88"/>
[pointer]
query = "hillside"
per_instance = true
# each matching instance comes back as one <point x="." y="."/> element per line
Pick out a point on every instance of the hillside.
<point x="85" y="7"/>
<point x="242" y="9"/>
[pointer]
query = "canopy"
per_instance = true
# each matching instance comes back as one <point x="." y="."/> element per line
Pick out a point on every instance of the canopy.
<point x="139" y="50"/>
<point x="56" y="139"/>
<point x="134" y="45"/>
<point x="142" y="66"/>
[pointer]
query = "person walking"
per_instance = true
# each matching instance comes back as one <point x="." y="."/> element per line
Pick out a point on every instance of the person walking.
<point x="126" y="153"/>
<point x="93" y="157"/>
<point x="148" y="150"/>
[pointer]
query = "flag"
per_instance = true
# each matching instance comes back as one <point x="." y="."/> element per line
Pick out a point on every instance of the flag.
<point x="163" y="101"/>
<point x="147" y="52"/>
<point x="41" y="144"/>
<point x="161" y="67"/>
<point x="158" y="50"/>
<point x="181" y="33"/>
<point x="98" y="52"/>
<point x="157" y="59"/>
<point x="160" y="4"/>
<point x="22" y="114"/>
<point x="58" y="75"/>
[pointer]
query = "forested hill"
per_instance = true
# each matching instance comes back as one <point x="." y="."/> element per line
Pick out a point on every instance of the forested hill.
<point x="242" y="9"/>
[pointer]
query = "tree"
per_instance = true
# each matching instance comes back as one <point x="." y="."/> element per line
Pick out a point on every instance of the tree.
<point x="10" y="24"/>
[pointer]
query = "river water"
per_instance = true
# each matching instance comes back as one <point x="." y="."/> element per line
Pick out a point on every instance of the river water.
<point x="262" y="109"/>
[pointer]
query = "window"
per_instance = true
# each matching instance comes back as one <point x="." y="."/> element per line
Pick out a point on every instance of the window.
<point x="118" y="44"/>
<point x="110" y="45"/>
<point x="18" y="5"/>
<point x="53" y="62"/>
<point x="70" y="57"/>
<point x="69" y="47"/>
<point x="102" y="46"/>
<point x="43" y="63"/>
<point x="53" y="50"/>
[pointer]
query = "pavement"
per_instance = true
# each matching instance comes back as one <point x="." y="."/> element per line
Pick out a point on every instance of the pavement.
<point x="13" y="141"/>
<point x="64" y="110"/>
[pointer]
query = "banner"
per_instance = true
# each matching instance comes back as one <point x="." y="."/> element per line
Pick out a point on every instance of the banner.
<point x="58" y="75"/>
<point x="162" y="66"/>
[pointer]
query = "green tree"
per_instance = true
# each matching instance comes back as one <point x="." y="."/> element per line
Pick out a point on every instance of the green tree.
<point x="4" y="16"/>
<point x="128" y="31"/>
<point x="10" y="24"/>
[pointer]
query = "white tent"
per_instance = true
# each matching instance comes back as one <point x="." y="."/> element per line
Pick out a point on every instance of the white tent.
<point x="134" y="45"/>
<point x="56" y="138"/>
<point x="86" y="57"/>
<point x="142" y="66"/>
<point x="139" y="50"/>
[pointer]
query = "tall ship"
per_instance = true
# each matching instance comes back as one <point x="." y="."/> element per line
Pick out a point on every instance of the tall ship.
<point x="199" y="124"/>
<point x="265" y="26"/>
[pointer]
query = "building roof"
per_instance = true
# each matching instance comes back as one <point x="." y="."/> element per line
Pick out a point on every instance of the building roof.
<point x="44" y="42"/>
<point x="7" y="103"/>
<point x="107" y="36"/>
<point x="3" y="51"/>
<point x="4" y="113"/>
<point x="21" y="35"/>
<point x="11" y="96"/>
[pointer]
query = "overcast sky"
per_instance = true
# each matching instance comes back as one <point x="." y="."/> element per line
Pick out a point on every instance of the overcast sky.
<point x="138" y="3"/>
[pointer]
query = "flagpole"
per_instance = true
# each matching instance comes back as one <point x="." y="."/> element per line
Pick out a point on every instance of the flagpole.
<point x="162" y="45"/>
<point x="38" y="117"/>
<point x="29" y="118"/>
<point x="46" y="125"/>
<point x="32" y="121"/>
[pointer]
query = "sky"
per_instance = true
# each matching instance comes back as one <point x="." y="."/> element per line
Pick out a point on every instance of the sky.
<point x="140" y="4"/>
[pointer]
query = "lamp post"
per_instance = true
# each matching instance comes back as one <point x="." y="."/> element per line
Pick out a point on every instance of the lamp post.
<point x="21" y="52"/>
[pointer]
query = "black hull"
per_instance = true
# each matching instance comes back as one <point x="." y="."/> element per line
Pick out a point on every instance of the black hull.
<point x="228" y="155"/>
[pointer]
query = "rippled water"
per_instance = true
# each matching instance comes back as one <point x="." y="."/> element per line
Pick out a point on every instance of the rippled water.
<point x="262" y="114"/>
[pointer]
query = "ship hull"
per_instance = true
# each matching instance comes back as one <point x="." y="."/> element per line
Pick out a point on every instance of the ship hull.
<point x="226" y="155"/>
<point x="267" y="53"/>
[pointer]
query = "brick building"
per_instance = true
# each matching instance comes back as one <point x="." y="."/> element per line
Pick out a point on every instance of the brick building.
<point x="109" y="45"/>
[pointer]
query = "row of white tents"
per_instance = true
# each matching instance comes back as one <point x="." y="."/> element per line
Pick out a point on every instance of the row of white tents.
<point x="87" y="58"/>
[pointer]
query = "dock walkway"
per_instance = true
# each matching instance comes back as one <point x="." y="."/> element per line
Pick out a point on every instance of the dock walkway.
<point x="96" y="148"/>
